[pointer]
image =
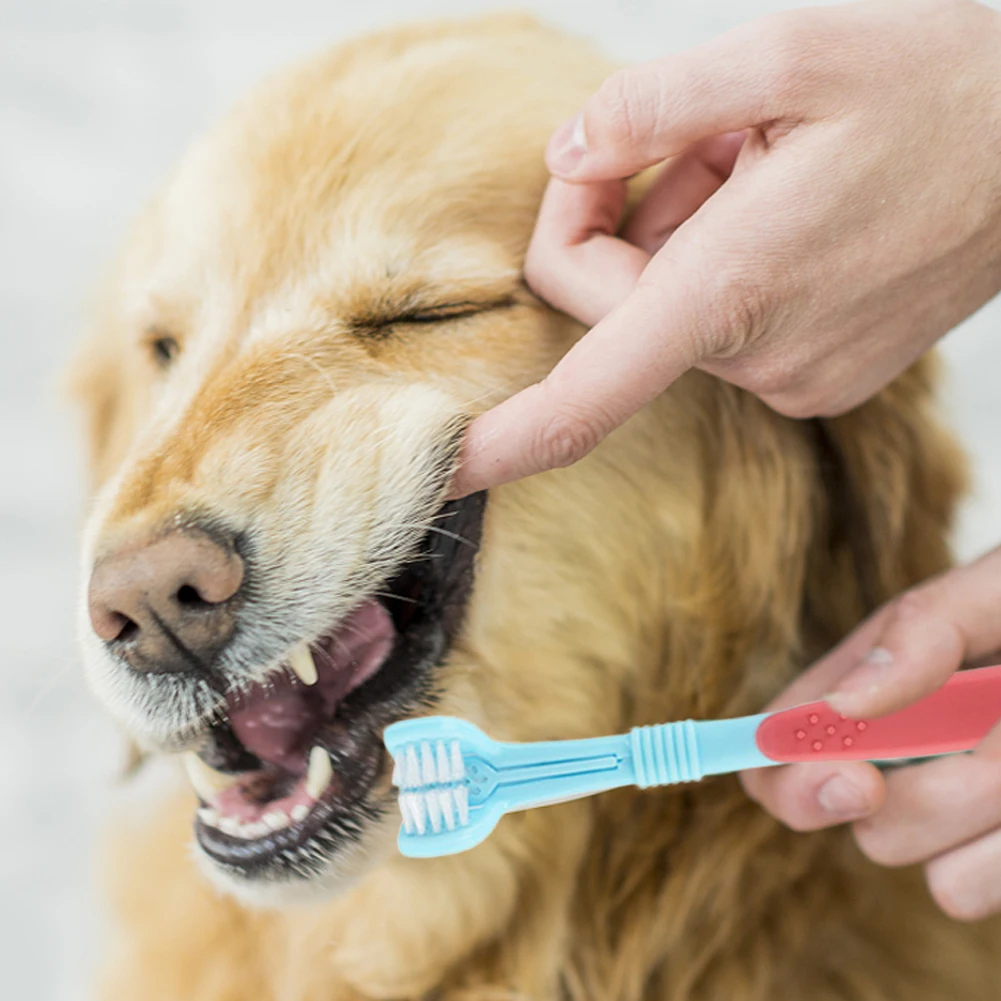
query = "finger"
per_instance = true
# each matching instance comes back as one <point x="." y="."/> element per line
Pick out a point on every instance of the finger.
<point x="930" y="632"/>
<point x="574" y="260"/>
<point x="933" y="808"/>
<point x="812" y="796"/>
<point x="646" y="113"/>
<point x="613" y="371"/>
<point x="681" y="189"/>
<point x="966" y="883"/>
<point x="819" y="679"/>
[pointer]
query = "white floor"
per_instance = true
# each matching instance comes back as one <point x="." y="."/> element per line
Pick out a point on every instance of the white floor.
<point x="96" y="100"/>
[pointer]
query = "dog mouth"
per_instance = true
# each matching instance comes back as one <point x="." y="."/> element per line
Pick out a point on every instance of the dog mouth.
<point x="293" y="769"/>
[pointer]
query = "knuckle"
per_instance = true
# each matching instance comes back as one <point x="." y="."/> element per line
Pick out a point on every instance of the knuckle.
<point x="874" y="845"/>
<point x="921" y="602"/>
<point x="952" y="897"/>
<point x="540" y="275"/>
<point x="566" y="438"/>
<point x="747" y="308"/>
<point x="625" y="108"/>
<point x="797" y="42"/>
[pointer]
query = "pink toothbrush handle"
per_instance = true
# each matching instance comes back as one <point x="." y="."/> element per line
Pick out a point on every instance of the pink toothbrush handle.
<point x="955" y="718"/>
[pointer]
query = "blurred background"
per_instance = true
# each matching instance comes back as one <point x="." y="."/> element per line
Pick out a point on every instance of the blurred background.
<point x="97" y="100"/>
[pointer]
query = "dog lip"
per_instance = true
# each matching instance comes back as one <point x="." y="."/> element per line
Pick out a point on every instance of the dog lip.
<point x="423" y="606"/>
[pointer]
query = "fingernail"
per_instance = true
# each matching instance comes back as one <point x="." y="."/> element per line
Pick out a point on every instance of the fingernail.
<point x="866" y="679"/>
<point x="841" y="799"/>
<point x="567" y="146"/>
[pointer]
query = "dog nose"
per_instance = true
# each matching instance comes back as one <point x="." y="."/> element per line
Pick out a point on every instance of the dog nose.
<point x="164" y="605"/>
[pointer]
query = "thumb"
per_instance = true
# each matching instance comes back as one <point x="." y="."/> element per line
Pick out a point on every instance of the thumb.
<point x="643" y="114"/>
<point x="608" y="375"/>
<point x="927" y="634"/>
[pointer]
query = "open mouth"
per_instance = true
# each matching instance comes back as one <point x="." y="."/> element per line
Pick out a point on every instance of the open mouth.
<point x="295" y="768"/>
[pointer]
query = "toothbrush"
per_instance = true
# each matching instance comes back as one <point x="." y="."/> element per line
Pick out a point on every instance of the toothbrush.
<point x="456" y="783"/>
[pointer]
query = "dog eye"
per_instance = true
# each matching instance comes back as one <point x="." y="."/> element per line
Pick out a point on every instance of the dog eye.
<point x="433" y="314"/>
<point x="165" y="349"/>
<point x="438" y="314"/>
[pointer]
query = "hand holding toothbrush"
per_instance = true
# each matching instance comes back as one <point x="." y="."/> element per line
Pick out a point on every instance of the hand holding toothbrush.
<point x="944" y="814"/>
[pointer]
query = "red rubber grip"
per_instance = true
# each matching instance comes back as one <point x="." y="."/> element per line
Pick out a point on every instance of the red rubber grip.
<point x="955" y="718"/>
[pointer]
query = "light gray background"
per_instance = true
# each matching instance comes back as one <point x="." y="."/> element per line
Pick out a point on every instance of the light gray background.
<point x="97" y="99"/>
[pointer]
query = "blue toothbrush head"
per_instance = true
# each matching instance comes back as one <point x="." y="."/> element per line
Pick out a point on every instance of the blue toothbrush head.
<point x="442" y="769"/>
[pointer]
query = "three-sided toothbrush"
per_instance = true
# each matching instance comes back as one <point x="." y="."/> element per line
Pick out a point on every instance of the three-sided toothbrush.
<point x="455" y="782"/>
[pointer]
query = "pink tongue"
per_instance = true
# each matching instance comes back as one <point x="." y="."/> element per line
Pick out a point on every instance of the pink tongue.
<point x="277" y="719"/>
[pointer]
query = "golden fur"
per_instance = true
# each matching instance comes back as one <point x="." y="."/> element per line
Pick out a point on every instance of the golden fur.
<point x="690" y="567"/>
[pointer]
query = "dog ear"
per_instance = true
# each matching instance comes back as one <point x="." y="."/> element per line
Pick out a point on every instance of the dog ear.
<point x="889" y="478"/>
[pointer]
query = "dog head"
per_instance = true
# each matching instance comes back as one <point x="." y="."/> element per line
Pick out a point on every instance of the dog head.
<point x="301" y="324"/>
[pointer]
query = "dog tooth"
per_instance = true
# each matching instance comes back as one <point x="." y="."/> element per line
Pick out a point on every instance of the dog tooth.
<point x="207" y="782"/>
<point x="257" y="830"/>
<point x="231" y="827"/>
<point x="299" y="813"/>
<point x="301" y="661"/>
<point x="320" y="772"/>
<point x="276" y="820"/>
<point x="209" y="816"/>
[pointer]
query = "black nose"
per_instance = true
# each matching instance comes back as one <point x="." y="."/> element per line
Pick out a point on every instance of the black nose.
<point x="165" y="604"/>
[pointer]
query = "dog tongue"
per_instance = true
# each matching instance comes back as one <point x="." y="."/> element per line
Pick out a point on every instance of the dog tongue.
<point x="276" y="720"/>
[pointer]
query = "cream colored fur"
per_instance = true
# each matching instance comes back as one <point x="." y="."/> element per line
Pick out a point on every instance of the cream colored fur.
<point x="691" y="566"/>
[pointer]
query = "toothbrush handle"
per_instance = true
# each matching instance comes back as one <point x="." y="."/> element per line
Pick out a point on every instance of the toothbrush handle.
<point x="955" y="718"/>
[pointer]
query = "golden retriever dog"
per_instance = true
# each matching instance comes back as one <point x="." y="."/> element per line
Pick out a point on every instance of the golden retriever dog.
<point x="300" y="327"/>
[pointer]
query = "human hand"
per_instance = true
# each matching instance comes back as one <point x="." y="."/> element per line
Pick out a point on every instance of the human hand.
<point x="944" y="814"/>
<point x="833" y="208"/>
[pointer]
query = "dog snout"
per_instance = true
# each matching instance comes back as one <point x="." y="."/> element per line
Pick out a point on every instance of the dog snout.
<point x="166" y="605"/>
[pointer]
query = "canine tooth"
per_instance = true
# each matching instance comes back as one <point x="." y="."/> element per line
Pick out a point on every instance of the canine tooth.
<point x="209" y="816"/>
<point x="257" y="830"/>
<point x="207" y="782"/>
<point x="301" y="661"/>
<point x="299" y="813"/>
<point x="276" y="820"/>
<point x="427" y="765"/>
<point x="320" y="772"/>
<point x="231" y="827"/>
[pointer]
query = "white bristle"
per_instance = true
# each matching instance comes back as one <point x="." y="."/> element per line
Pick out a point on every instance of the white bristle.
<point x="462" y="804"/>
<point x="440" y="809"/>
<point x="408" y="824"/>
<point x="427" y="765"/>
<point x="397" y="773"/>
<point x="458" y="770"/>
<point x="444" y="771"/>
<point x="433" y="808"/>
<point x="445" y="804"/>
<point x="417" y="812"/>
<point x="411" y="769"/>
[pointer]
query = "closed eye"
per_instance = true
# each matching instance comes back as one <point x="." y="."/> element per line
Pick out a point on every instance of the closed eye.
<point x="381" y="325"/>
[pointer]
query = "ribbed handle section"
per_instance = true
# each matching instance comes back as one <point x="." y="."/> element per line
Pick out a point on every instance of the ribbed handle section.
<point x="665" y="754"/>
